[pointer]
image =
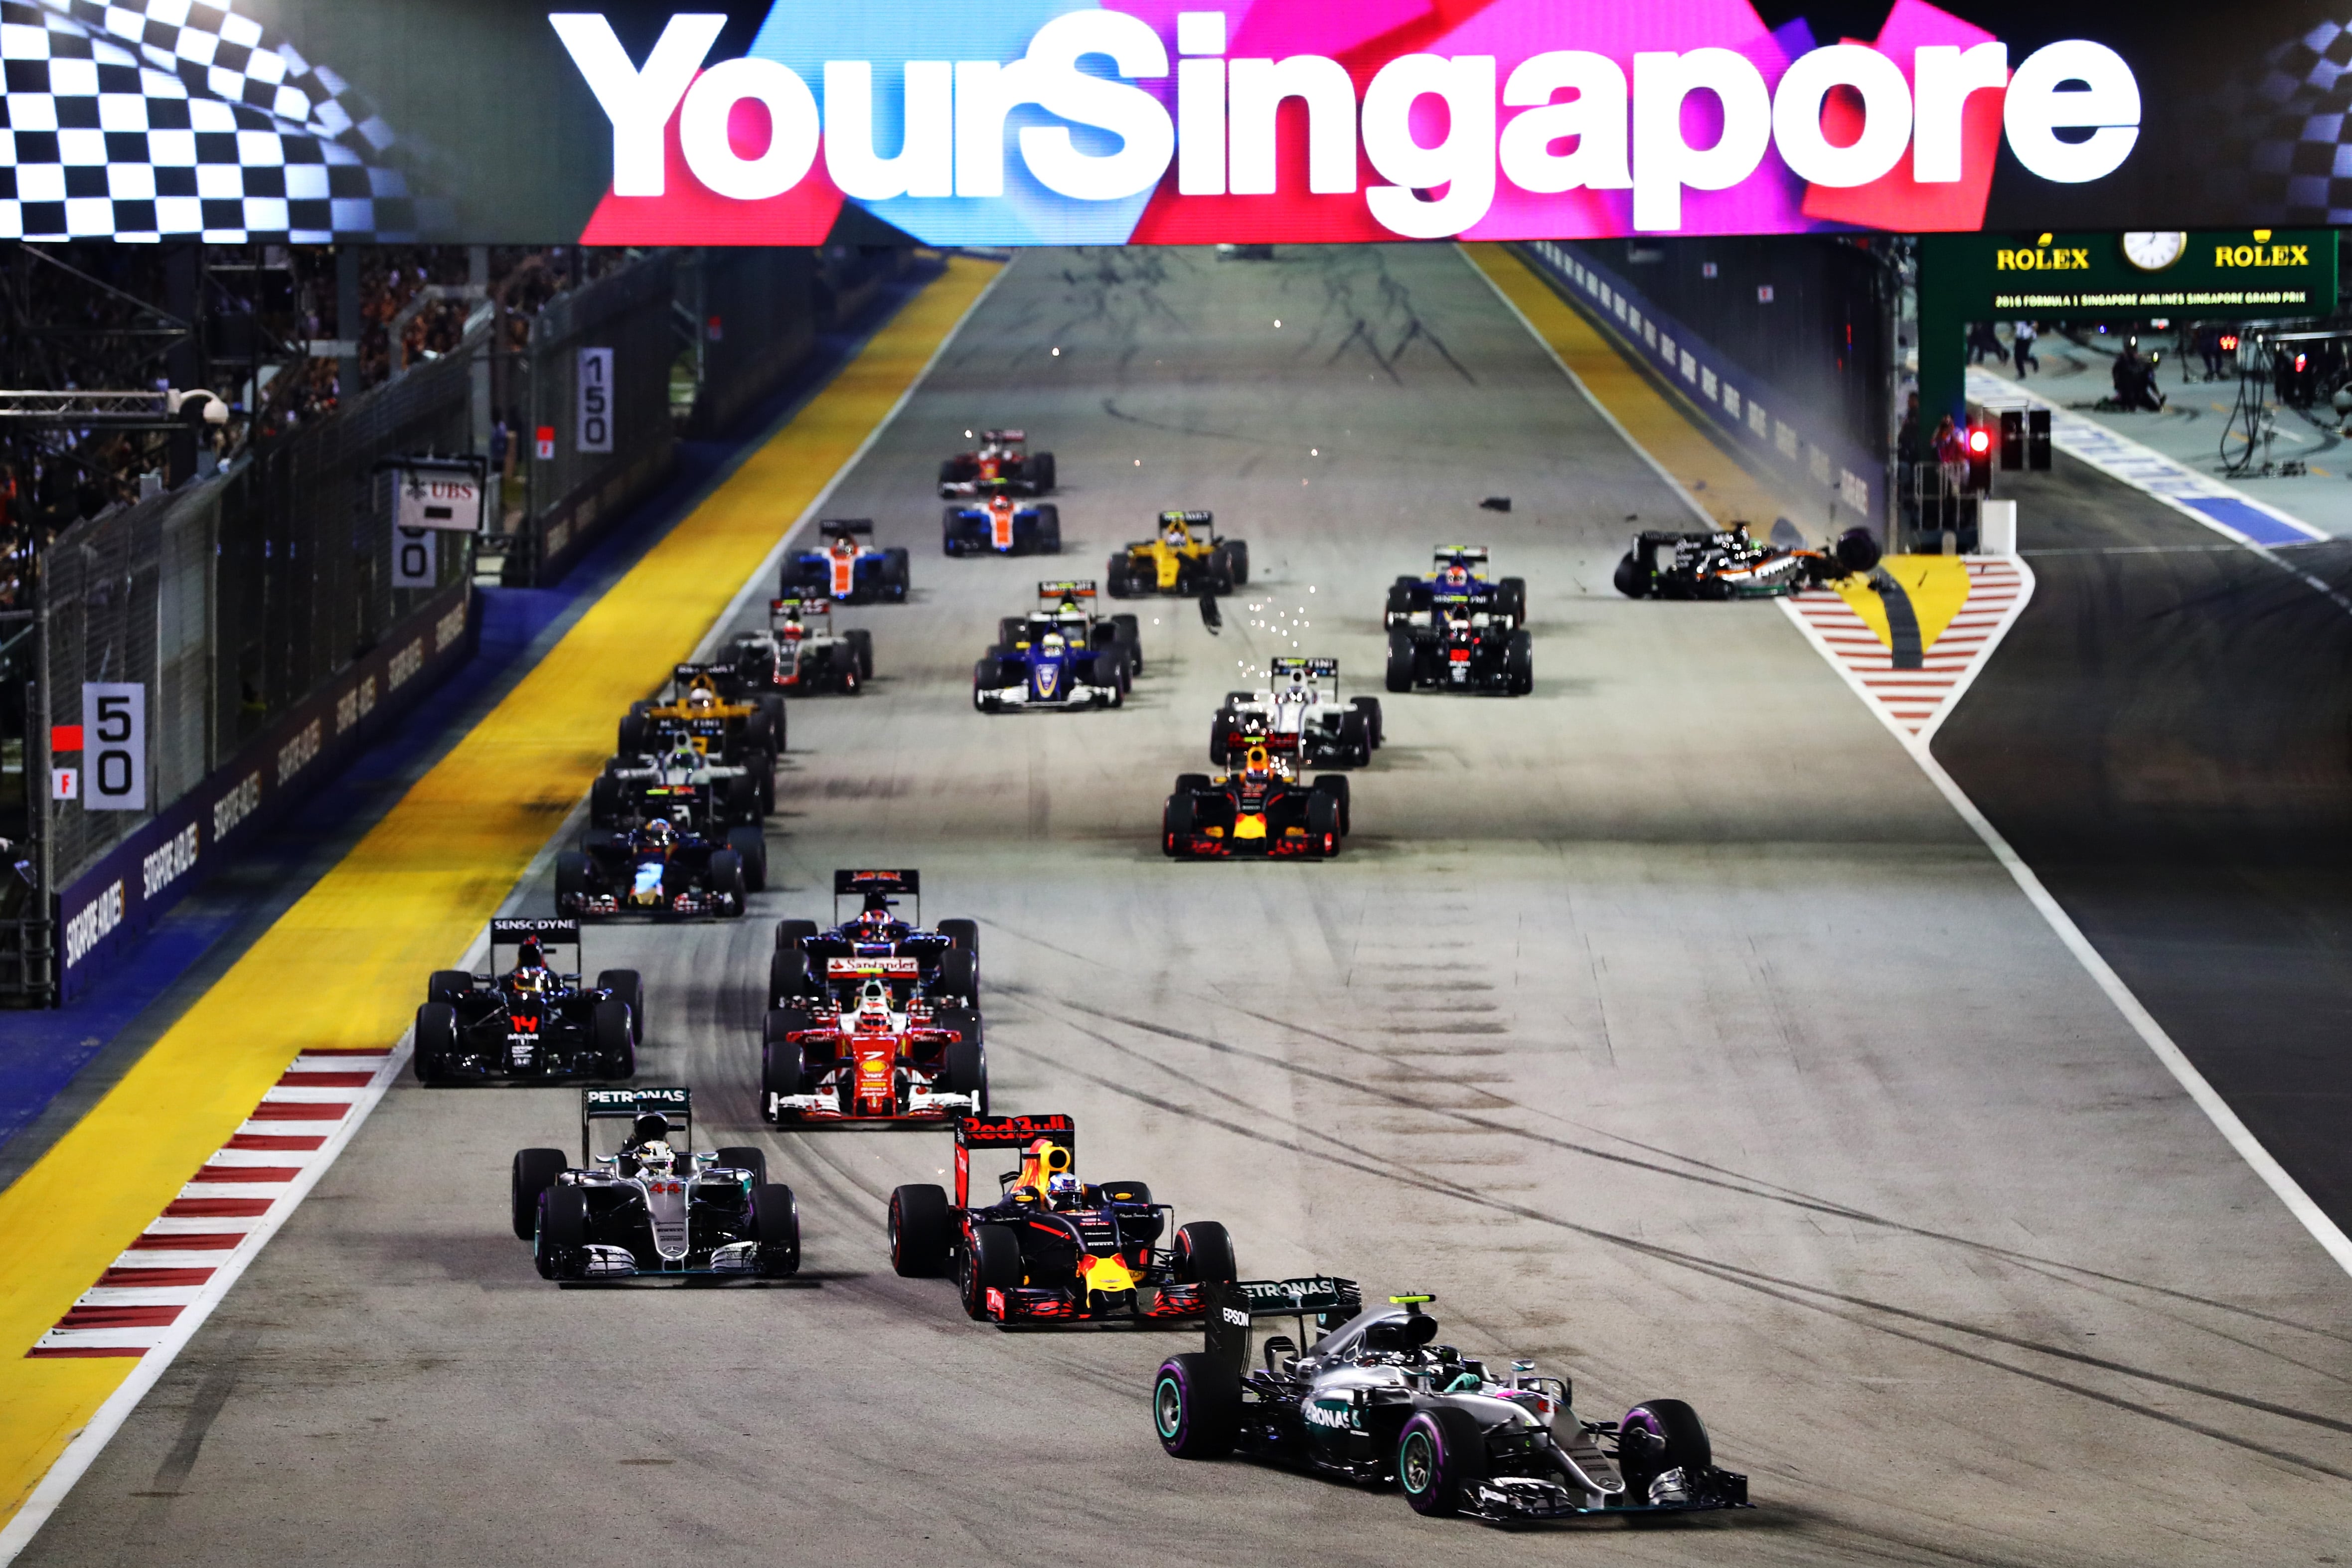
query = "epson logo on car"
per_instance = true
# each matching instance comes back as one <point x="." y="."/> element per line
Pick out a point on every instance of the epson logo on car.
<point x="1235" y="1316"/>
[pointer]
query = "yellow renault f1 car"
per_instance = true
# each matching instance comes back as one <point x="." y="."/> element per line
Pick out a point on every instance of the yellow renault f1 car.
<point x="1185" y="556"/>
<point x="724" y="725"/>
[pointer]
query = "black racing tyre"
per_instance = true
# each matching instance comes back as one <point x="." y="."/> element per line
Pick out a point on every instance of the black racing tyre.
<point x="1115" y="578"/>
<point x="571" y="881"/>
<point x="992" y="1263"/>
<point x="1658" y="1436"/>
<point x="741" y="794"/>
<point x="1196" y="1407"/>
<point x="959" y="975"/>
<point x="751" y="846"/>
<point x="628" y="986"/>
<point x="897" y="573"/>
<point x="1204" y="1253"/>
<point x="963" y="1066"/>
<point x="861" y="650"/>
<point x="1049" y="529"/>
<point x="983" y="674"/>
<point x="743" y="1157"/>
<point x="763" y="775"/>
<point x="1335" y="786"/>
<point x="776" y="1226"/>
<point x="1039" y="471"/>
<point x="1369" y="707"/>
<point x="1441" y="1453"/>
<point x="1010" y="630"/>
<point x="1401" y="661"/>
<point x="1323" y="824"/>
<point x="631" y="735"/>
<point x="1237" y="553"/>
<point x="964" y="934"/>
<point x="1176" y="825"/>
<point x="1218" y="729"/>
<point x="950" y="470"/>
<point x="1399" y="601"/>
<point x="791" y="934"/>
<point x="1355" y="740"/>
<point x="920" y="1231"/>
<point x="605" y="803"/>
<point x="791" y="976"/>
<point x="1519" y="664"/>
<point x="759" y="730"/>
<point x="1632" y="579"/>
<point x="783" y="1064"/>
<point x="447" y="985"/>
<point x="728" y="880"/>
<point x="1513" y="592"/>
<point x="1187" y="783"/>
<point x="562" y="1232"/>
<point x="963" y="1021"/>
<point x="1220" y="572"/>
<point x="773" y="706"/>
<point x="1130" y="632"/>
<point x="951" y="531"/>
<point x="1857" y="550"/>
<point x="435" y="1042"/>
<point x="535" y="1171"/>
<point x="610" y="1036"/>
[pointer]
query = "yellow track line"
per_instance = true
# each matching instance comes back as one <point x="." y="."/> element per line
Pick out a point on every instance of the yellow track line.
<point x="344" y="965"/>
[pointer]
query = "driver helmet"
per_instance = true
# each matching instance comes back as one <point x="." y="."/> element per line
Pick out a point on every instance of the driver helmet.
<point x="874" y="1007"/>
<point x="999" y="502"/>
<point x="1457" y="574"/>
<point x="1052" y="641"/>
<point x="701" y="697"/>
<point x="660" y="834"/>
<point x="1064" y="1191"/>
<point x="529" y="978"/>
<point x="1256" y="764"/>
<point x="657" y="1158"/>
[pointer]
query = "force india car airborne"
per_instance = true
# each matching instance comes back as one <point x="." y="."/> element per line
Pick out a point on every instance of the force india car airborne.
<point x="653" y="1207"/>
<point x="1060" y="655"/>
<point x="947" y="959"/>
<point x="844" y="569"/>
<point x="1186" y="556"/>
<point x="880" y="1048"/>
<point x="1003" y="465"/>
<point x="1258" y="811"/>
<point x="800" y="653"/>
<point x="1002" y="526"/>
<point x="1053" y="1249"/>
<point x="661" y="871"/>
<point x="1373" y="1401"/>
<point x="1726" y="563"/>
<point x="1458" y="576"/>
<point x="531" y="1022"/>
<point x="1300" y="717"/>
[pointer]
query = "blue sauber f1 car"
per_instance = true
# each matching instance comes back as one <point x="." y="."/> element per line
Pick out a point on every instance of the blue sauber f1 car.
<point x="1059" y="657"/>
<point x="846" y="570"/>
<point x="1003" y="526"/>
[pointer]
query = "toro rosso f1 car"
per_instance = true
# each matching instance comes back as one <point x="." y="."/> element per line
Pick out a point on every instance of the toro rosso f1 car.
<point x="845" y="570"/>
<point x="1726" y="564"/>
<point x="1052" y="1248"/>
<point x="653" y="1207"/>
<point x="1259" y="811"/>
<point x="1373" y="1401"/>
<point x="800" y="652"/>
<point x="947" y="960"/>
<point x="1458" y="576"/>
<point x="660" y="870"/>
<point x="1002" y="526"/>
<point x="1003" y="465"/>
<point x="878" y="1047"/>
<point x="532" y="1021"/>
<point x="1301" y="718"/>
<point x="1186" y="556"/>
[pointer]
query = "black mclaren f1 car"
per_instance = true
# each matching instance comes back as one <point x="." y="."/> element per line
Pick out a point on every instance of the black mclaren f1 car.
<point x="532" y="1021"/>
<point x="1371" y="1400"/>
<point x="1459" y="647"/>
<point x="1726" y="564"/>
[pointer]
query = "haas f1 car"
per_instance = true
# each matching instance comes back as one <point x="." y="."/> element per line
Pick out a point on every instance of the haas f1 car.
<point x="800" y="652"/>
<point x="653" y="1207"/>
<point x="880" y="1046"/>
<point x="1186" y="556"/>
<point x="1372" y="1400"/>
<point x="844" y="570"/>
<point x="1002" y="526"/>
<point x="1052" y="1248"/>
<point x="660" y="869"/>
<point x="532" y="1022"/>
<point x="1726" y="564"/>
<point x="1458" y="576"/>
<point x="1003" y="465"/>
<point x="1258" y="811"/>
<point x="1301" y="718"/>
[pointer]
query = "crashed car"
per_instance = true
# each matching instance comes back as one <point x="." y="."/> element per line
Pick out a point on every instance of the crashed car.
<point x="710" y="709"/>
<point x="681" y="784"/>
<point x="1726" y="564"/>
<point x="531" y="1021"/>
<point x="800" y="652"/>
<point x="1372" y="1400"/>
<point x="1457" y="647"/>
<point x="662" y="871"/>
<point x="881" y="1046"/>
<point x="652" y="1207"/>
<point x="1185" y="556"/>
<point x="1003" y="465"/>
<point x="1301" y="717"/>
<point x="846" y="570"/>
<point x="1002" y="526"/>
<point x="947" y="959"/>
<point x="1052" y="1248"/>
<point x="1457" y="577"/>
<point x="1259" y="811"/>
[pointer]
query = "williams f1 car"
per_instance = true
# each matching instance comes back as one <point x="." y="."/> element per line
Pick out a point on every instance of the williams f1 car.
<point x="1300" y="717"/>
<point x="947" y="959"/>
<point x="652" y="1207"/>
<point x="1372" y="1400"/>
<point x="1456" y="647"/>
<point x="1186" y="556"/>
<point x="660" y="870"/>
<point x="1458" y="576"/>
<point x="1259" y="811"/>
<point x="1003" y="465"/>
<point x="533" y="1021"/>
<point x="801" y="653"/>
<point x="1726" y="564"/>
<point x="878" y="1047"/>
<point x="1002" y="526"/>
<point x="844" y="569"/>
<point x="708" y="707"/>
<point x="682" y="784"/>
<point x="1052" y="1248"/>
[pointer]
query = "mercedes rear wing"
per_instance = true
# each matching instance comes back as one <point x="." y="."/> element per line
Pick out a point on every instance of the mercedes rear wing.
<point x="1233" y="1309"/>
<point x="675" y="1104"/>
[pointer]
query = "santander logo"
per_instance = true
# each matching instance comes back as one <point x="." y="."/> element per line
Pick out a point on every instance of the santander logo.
<point x="1527" y="119"/>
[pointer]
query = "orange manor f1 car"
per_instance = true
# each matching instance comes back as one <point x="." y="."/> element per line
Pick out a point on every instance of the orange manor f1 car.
<point x="1371" y="1400"/>
<point x="878" y="1047"/>
<point x="533" y="1020"/>
<point x="652" y="1207"/>
<point x="1258" y="811"/>
<point x="1052" y="1248"/>
<point x="1001" y="525"/>
<point x="1726" y="564"/>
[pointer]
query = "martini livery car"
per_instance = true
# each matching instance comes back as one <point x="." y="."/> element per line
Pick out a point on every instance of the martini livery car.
<point x="1301" y="717"/>
<point x="529" y="1019"/>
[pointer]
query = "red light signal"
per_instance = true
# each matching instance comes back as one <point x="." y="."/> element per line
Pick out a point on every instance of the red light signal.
<point x="1980" y="440"/>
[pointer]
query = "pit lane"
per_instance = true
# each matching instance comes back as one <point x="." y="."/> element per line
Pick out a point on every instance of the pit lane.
<point x="1663" y="1022"/>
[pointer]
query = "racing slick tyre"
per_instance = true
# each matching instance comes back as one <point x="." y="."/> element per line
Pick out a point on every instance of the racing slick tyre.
<point x="1519" y="664"/>
<point x="562" y="1234"/>
<point x="1187" y="783"/>
<point x="1632" y="579"/>
<point x="951" y="471"/>
<point x="571" y="881"/>
<point x="992" y="1263"/>
<point x="742" y="1157"/>
<point x="447" y="985"/>
<point x="964" y="1065"/>
<point x="791" y="976"/>
<point x="1335" y="786"/>
<point x="604" y="801"/>
<point x="1401" y="660"/>
<point x="1130" y="632"/>
<point x="964" y="934"/>
<point x="1176" y="825"/>
<point x="1399" y="602"/>
<point x="1204" y="1253"/>
<point x="896" y="577"/>
<point x="1857" y="550"/>
<point x="773" y="707"/>
<point x="1221" y="729"/>
<point x="776" y="1226"/>
<point x="743" y="798"/>
<point x="791" y="934"/>
<point x="959" y="975"/>
<point x="535" y="1171"/>
<point x="763" y="775"/>
<point x="1049" y="529"/>
<point x="1512" y="596"/>
<point x="1196" y="1407"/>
<point x="629" y="987"/>
<point x="783" y="1068"/>
<point x="631" y="735"/>
<point x="1010" y="629"/>
<point x="1369" y="707"/>
<point x="1355" y="742"/>
<point x="1237" y="556"/>
<point x="1115" y="581"/>
<point x="1658" y="1436"/>
<point x="919" y="1231"/>
<point x="611" y="1038"/>
<point x="751" y="846"/>
<point x="1039" y="471"/>
<point x="727" y="879"/>
<point x="1441" y="1453"/>
<point x="861" y="651"/>
<point x="952" y="541"/>
<point x="1323" y="824"/>
<point x="437" y="1042"/>
<point x="964" y="1021"/>
<point x="983" y="675"/>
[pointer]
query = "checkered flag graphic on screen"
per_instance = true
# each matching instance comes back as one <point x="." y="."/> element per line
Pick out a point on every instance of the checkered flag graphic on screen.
<point x="2301" y="156"/>
<point x="158" y="119"/>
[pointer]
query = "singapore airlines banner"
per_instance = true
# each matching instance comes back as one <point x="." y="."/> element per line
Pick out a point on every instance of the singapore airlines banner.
<point x="1033" y="121"/>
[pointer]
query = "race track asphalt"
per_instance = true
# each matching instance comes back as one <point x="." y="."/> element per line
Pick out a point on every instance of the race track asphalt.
<point x="1665" y="1023"/>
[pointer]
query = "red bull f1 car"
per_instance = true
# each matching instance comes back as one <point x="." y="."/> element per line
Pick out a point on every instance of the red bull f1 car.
<point x="1003" y="465"/>
<point x="1052" y="1248"/>
<point x="1726" y="564"/>
<point x="1301" y="717"/>
<point x="1258" y="811"/>
<point x="653" y="1207"/>
<point x="530" y="1020"/>
<point x="1002" y="526"/>
<point x="880" y="1047"/>
<point x="846" y="570"/>
<point x="801" y="653"/>
<point x="1371" y="1399"/>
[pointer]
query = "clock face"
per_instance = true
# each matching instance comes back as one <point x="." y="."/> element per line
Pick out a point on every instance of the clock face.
<point x="2153" y="252"/>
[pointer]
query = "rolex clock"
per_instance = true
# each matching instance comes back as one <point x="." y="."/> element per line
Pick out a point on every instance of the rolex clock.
<point x="2152" y="251"/>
